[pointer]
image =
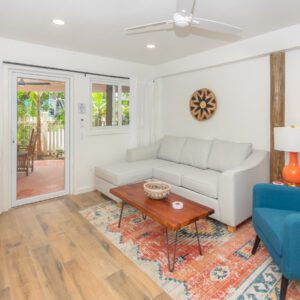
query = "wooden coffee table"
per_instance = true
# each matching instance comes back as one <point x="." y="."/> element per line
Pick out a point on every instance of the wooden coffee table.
<point x="162" y="212"/>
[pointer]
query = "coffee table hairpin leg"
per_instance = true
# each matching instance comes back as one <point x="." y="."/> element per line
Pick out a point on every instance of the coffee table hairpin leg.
<point x="171" y="264"/>
<point x="198" y="239"/>
<point x="121" y="213"/>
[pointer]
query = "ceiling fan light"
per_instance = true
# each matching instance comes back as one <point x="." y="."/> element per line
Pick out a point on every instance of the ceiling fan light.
<point x="58" y="22"/>
<point x="182" y="24"/>
<point x="150" y="46"/>
<point x="181" y="20"/>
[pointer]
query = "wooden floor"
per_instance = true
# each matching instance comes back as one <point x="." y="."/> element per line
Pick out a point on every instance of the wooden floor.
<point x="48" y="251"/>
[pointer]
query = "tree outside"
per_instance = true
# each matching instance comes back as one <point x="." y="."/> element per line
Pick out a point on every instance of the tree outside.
<point x="99" y="108"/>
<point x="31" y="105"/>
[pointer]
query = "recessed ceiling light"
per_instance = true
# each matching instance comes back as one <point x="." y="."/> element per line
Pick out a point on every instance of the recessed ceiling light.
<point x="58" y="22"/>
<point x="150" y="46"/>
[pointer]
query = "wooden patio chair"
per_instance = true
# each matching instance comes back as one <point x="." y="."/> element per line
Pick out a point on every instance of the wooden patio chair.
<point x="25" y="155"/>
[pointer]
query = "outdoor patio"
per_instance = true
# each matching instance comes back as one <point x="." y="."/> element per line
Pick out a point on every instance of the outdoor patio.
<point x="47" y="177"/>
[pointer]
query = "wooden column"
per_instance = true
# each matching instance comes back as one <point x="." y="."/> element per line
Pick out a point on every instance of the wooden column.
<point x="109" y="105"/>
<point x="277" y="117"/>
<point x="38" y="124"/>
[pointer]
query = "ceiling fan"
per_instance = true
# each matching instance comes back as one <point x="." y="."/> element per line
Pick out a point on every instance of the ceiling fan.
<point x="21" y="82"/>
<point x="183" y="17"/>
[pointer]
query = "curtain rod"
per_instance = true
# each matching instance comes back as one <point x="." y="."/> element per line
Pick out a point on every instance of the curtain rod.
<point x="65" y="70"/>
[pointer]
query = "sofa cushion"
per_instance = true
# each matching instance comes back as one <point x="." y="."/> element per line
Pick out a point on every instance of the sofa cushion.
<point x="226" y="155"/>
<point x="171" y="173"/>
<point x="129" y="172"/>
<point x="195" y="152"/>
<point x="271" y="222"/>
<point x="170" y="148"/>
<point x="204" y="182"/>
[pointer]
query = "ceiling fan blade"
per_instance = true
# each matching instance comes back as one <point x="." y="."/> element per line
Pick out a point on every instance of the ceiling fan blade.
<point x="212" y="25"/>
<point x="33" y="83"/>
<point x="185" y="7"/>
<point x="37" y="83"/>
<point x="149" y="25"/>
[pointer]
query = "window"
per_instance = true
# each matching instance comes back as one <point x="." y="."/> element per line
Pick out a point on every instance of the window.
<point x="110" y="104"/>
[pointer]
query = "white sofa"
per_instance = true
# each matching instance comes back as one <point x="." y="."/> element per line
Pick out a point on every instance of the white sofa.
<point x="219" y="174"/>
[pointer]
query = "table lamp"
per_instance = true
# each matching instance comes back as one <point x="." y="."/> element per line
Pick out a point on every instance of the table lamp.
<point x="288" y="139"/>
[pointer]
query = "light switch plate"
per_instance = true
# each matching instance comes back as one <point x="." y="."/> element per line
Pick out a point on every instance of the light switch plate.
<point x="81" y="108"/>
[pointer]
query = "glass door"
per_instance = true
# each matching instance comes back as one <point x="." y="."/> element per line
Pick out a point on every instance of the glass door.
<point x="41" y="156"/>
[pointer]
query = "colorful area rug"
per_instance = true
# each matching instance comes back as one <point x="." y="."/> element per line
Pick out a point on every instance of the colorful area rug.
<point x="227" y="270"/>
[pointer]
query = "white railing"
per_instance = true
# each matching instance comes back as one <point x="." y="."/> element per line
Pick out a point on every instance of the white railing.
<point x="52" y="137"/>
<point x="54" y="140"/>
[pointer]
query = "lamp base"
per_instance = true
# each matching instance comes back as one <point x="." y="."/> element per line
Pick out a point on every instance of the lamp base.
<point x="291" y="172"/>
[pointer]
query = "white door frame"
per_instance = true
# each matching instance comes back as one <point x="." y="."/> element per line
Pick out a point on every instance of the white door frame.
<point x="13" y="74"/>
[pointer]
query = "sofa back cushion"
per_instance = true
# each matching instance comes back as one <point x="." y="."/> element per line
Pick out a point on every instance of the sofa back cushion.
<point x="195" y="153"/>
<point x="170" y="148"/>
<point x="225" y="155"/>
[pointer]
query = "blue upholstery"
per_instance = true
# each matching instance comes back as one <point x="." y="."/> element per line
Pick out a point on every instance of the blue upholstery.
<point x="276" y="220"/>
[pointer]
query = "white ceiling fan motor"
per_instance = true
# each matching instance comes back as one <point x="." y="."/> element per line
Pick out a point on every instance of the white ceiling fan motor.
<point x="182" y="21"/>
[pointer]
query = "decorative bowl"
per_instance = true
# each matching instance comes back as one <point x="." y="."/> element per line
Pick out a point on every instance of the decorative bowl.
<point x="157" y="189"/>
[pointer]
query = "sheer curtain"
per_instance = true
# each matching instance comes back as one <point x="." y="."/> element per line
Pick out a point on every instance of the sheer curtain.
<point x="144" y="113"/>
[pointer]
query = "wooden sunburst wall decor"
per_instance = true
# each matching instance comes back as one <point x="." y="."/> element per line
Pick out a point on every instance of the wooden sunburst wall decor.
<point x="203" y="104"/>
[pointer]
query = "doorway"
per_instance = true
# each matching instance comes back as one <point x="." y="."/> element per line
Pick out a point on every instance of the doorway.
<point x="41" y="143"/>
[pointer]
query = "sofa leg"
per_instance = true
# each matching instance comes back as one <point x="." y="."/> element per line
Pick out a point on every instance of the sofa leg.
<point x="255" y="246"/>
<point x="283" y="288"/>
<point x="231" y="229"/>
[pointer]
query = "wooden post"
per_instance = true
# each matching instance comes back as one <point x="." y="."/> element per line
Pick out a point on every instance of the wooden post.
<point x="277" y="117"/>
<point x="38" y="124"/>
<point x="109" y="105"/>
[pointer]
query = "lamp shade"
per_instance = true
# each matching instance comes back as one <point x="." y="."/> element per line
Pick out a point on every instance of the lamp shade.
<point x="287" y="139"/>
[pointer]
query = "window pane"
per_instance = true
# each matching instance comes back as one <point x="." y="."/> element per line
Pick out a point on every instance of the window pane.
<point x="104" y="105"/>
<point x="125" y="104"/>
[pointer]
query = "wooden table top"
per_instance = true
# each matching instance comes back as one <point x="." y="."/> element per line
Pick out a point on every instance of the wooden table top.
<point x="162" y="210"/>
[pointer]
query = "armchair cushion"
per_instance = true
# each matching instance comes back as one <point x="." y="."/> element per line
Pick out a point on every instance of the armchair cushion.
<point x="276" y="196"/>
<point x="271" y="224"/>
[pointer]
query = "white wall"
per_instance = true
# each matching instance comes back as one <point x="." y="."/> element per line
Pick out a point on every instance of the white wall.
<point x="242" y="90"/>
<point x="89" y="150"/>
<point x="243" y="97"/>
<point x="292" y="88"/>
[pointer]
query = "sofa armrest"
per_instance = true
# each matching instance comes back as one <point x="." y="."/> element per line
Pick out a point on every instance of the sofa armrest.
<point x="276" y="196"/>
<point x="236" y="185"/>
<point x="291" y="246"/>
<point x="143" y="153"/>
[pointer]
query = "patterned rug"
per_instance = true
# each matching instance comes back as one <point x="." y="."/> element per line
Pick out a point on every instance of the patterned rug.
<point x="227" y="270"/>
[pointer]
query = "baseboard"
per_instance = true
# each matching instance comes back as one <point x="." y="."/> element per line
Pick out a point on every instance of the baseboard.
<point x="85" y="190"/>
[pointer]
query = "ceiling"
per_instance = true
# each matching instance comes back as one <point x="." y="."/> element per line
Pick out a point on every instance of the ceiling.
<point x="37" y="85"/>
<point x="97" y="26"/>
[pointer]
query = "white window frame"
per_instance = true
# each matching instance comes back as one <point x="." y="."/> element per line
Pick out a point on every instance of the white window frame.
<point x="95" y="130"/>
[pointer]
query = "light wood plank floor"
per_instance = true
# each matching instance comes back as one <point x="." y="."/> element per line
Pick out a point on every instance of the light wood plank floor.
<point x="48" y="251"/>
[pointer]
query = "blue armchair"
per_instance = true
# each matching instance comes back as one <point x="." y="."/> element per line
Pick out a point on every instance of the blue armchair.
<point x="276" y="220"/>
